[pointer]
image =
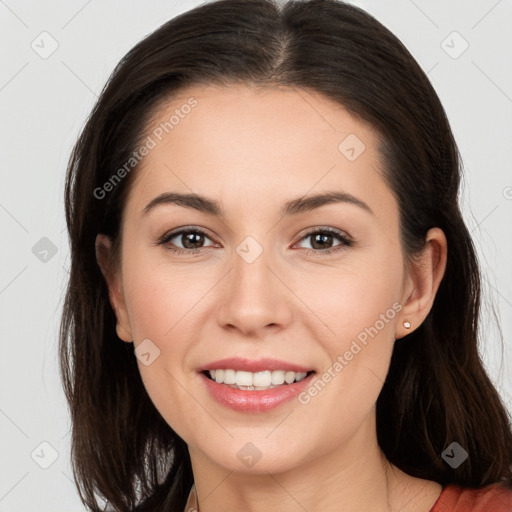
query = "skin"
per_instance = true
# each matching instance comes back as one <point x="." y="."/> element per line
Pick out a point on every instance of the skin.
<point x="252" y="150"/>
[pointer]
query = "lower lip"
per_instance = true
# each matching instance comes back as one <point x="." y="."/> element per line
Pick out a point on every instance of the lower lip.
<point x="254" y="400"/>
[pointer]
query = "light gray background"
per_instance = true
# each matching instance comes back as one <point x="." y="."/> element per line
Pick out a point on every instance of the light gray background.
<point x="44" y="103"/>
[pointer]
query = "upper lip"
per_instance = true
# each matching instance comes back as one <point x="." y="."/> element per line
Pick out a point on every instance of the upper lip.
<point x="248" y="365"/>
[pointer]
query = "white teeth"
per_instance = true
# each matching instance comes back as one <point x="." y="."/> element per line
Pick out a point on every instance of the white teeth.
<point x="243" y="378"/>
<point x="289" y="377"/>
<point x="229" y="377"/>
<point x="262" y="379"/>
<point x="277" y="377"/>
<point x="266" y="379"/>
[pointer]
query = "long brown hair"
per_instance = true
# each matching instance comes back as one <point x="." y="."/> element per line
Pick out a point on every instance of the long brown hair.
<point x="437" y="390"/>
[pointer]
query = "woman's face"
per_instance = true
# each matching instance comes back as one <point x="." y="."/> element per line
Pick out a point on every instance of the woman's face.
<point x="260" y="283"/>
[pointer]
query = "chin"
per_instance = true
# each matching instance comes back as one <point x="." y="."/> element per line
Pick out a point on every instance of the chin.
<point x="257" y="456"/>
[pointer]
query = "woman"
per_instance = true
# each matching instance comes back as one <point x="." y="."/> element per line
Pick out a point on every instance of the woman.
<point x="273" y="301"/>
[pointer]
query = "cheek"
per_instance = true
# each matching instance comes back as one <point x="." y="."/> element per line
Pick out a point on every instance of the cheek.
<point x="160" y="307"/>
<point x="161" y="300"/>
<point x="166" y="305"/>
<point x="364" y="310"/>
<point x="360" y="301"/>
<point x="359" y="308"/>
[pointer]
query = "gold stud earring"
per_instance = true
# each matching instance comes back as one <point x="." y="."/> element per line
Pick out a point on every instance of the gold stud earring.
<point x="407" y="324"/>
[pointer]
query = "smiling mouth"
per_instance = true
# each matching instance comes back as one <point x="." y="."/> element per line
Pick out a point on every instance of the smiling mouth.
<point x="255" y="381"/>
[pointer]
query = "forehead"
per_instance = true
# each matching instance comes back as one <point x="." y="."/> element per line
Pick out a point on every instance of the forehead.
<point x="241" y="144"/>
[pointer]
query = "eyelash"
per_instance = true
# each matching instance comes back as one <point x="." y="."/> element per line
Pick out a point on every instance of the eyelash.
<point x="346" y="242"/>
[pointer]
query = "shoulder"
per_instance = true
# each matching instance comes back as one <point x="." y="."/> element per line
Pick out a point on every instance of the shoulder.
<point x="491" y="498"/>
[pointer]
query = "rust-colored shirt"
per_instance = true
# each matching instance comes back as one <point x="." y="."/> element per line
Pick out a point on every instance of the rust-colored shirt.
<point x="492" y="498"/>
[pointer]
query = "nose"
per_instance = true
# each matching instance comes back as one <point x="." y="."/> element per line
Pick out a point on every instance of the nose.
<point x="255" y="297"/>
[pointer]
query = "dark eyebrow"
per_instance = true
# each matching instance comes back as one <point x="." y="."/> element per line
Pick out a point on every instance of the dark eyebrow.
<point x="306" y="204"/>
<point x="200" y="203"/>
<point x="292" y="207"/>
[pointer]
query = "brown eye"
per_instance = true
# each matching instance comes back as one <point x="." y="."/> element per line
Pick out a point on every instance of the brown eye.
<point x="322" y="240"/>
<point x="192" y="240"/>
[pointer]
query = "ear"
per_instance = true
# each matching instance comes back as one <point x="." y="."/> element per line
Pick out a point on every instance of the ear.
<point x="114" y="283"/>
<point x="422" y="281"/>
